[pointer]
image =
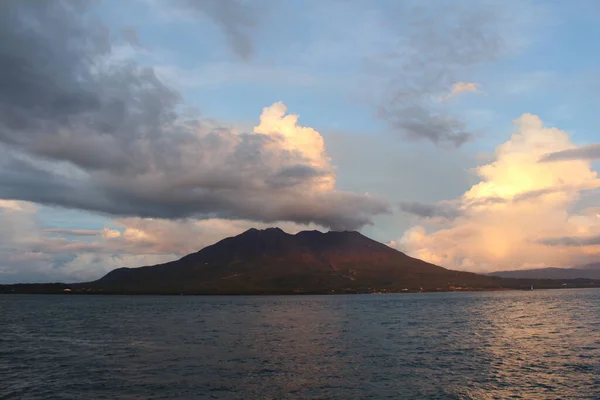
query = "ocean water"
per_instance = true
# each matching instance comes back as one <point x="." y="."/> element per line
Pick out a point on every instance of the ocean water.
<point x="494" y="345"/>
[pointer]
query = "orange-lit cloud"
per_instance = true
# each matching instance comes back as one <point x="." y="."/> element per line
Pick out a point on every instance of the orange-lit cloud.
<point x="14" y="205"/>
<point x="461" y="87"/>
<point x="303" y="141"/>
<point x="505" y="221"/>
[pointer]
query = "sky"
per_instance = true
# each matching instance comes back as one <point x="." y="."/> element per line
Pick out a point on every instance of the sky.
<point x="462" y="132"/>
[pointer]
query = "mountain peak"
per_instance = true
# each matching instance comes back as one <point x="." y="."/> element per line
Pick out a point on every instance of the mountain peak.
<point x="267" y="230"/>
<point x="353" y="233"/>
<point x="274" y="230"/>
<point x="309" y="233"/>
<point x="314" y="232"/>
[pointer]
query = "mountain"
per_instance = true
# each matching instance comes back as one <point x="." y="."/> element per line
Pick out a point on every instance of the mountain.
<point x="271" y="261"/>
<point x="594" y="266"/>
<point x="590" y="271"/>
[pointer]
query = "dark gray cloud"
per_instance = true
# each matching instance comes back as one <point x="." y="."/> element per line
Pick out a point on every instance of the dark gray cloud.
<point x="295" y="174"/>
<point x="80" y="130"/>
<point x="534" y="194"/>
<point x="446" y="210"/>
<point x="417" y="122"/>
<point x="422" y="210"/>
<point x="238" y="20"/>
<point x="589" y="152"/>
<point x="572" y="241"/>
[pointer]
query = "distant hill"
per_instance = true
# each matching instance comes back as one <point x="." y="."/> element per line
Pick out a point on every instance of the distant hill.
<point x="271" y="261"/>
<point x="594" y="266"/>
<point x="590" y="271"/>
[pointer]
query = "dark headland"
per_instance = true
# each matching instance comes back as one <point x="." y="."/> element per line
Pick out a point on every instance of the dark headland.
<point x="589" y="271"/>
<point x="271" y="261"/>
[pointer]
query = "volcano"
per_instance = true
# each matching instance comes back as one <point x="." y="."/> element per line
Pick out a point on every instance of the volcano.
<point x="273" y="261"/>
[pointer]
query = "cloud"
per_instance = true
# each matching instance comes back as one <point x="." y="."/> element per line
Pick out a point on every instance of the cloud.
<point x="511" y="217"/>
<point x="483" y="201"/>
<point x="442" y="210"/>
<point x="408" y="54"/>
<point x="11" y="205"/>
<point x="570" y="241"/>
<point x="434" y="47"/>
<point x="79" y="129"/>
<point x="461" y="87"/>
<point x="238" y="19"/>
<point x="589" y="152"/>
<point x="418" y="123"/>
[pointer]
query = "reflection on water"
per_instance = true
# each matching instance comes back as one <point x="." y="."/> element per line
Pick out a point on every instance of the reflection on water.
<point x="530" y="345"/>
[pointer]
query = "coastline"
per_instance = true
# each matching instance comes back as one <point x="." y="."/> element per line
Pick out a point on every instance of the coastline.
<point x="59" y="289"/>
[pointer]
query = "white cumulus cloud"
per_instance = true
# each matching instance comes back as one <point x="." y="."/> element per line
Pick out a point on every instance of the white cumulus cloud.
<point x="509" y="219"/>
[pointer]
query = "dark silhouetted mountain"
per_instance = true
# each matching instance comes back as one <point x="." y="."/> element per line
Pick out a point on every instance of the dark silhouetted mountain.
<point x="272" y="261"/>
<point x="594" y="266"/>
<point x="590" y="271"/>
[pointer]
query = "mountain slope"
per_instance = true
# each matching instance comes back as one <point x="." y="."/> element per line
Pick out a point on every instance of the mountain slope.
<point x="273" y="261"/>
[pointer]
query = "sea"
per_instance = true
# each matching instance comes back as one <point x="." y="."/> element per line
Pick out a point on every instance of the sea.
<point x="541" y="344"/>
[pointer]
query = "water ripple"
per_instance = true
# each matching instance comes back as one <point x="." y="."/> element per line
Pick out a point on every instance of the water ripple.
<point x="509" y="345"/>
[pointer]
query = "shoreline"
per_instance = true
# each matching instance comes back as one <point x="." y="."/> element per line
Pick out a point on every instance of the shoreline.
<point x="274" y="293"/>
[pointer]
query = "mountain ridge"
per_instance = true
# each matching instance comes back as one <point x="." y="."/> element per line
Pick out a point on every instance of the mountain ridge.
<point x="588" y="271"/>
<point x="272" y="259"/>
